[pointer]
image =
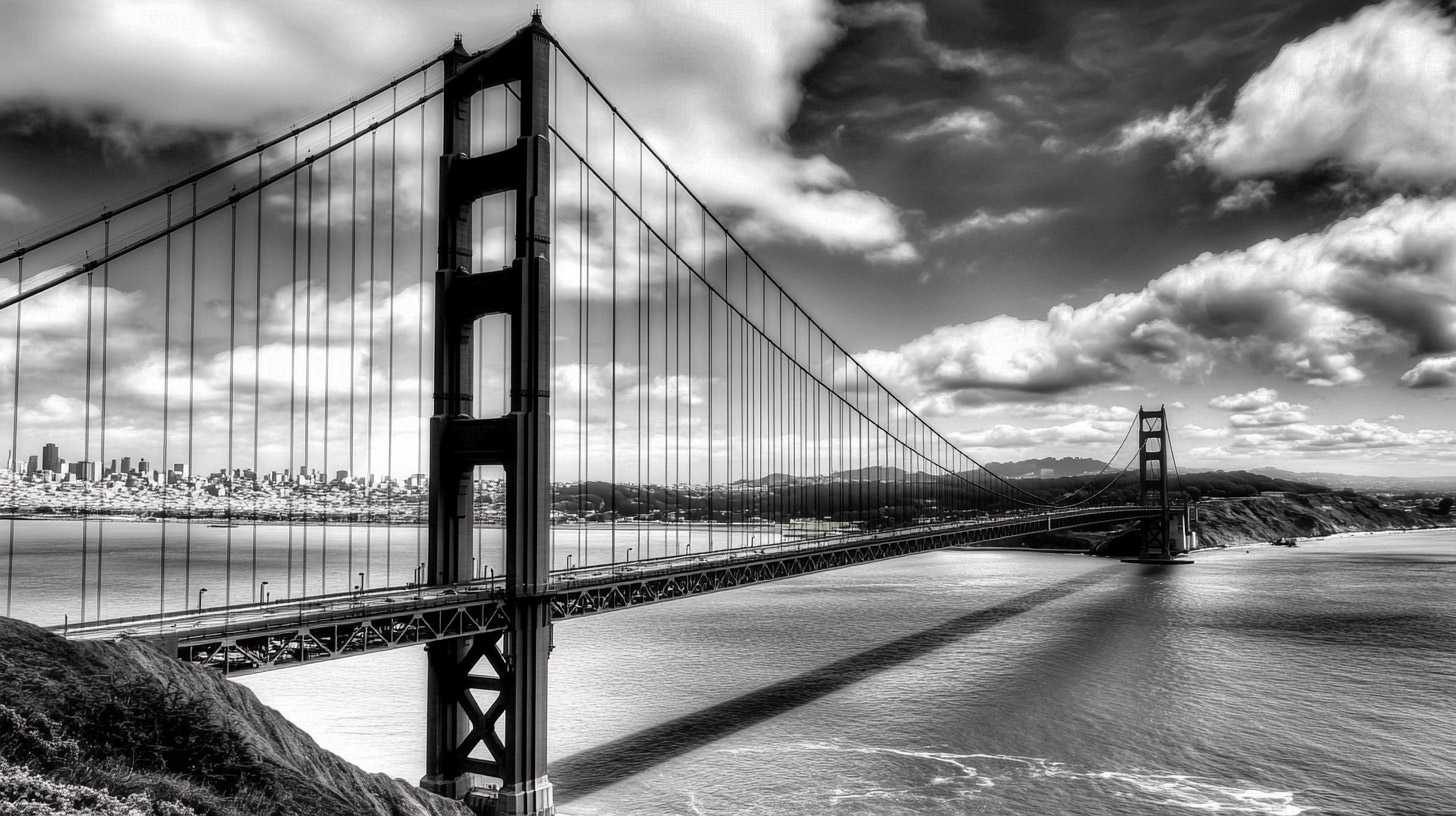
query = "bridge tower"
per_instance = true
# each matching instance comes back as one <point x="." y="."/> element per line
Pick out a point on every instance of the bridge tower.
<point x="1156" y="533"/>
<point x="510" y="729"/>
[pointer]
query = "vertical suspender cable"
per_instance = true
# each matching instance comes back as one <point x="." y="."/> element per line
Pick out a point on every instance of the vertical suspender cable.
<point x="369" y="366"/>
<point x="191" y="398"/>
<point x="420" y="427"/>
<point x="353" y="312"/>
<point x="306" y="468"/>
<point x="257" y="359"/>
<point x="105" y="308"/>
<point x="389" y="339"/>
<point x="229" y="481"/>
<point x="328" y="360"/>
<point x="84" y="465"/>
<point x="612" y="361"/>
<point x="166" y="398"/>
<point x="15" y="446"/>
<point x="292" y="462"/>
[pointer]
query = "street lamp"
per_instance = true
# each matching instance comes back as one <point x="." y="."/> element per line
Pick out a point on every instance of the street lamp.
<point x="361" y="582"/>
<point x="199" y="598"/>
<point x="262" y="588"/>
<point x="568" y="562"/>
<point x="629" y="555"/>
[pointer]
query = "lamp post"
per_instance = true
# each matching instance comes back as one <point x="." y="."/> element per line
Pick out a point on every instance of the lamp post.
<point x="199" y="598"/>
<point x="262" y="588"/>
<point x="361" y="582"/>
<point x="568" y="561"/>
<point x="629" y="555"/>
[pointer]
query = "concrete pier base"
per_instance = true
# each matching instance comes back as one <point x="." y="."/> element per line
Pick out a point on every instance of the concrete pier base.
<point x="451" y="787"/>
<point x="1160" y="561"/>
<point x="533" y="798"/>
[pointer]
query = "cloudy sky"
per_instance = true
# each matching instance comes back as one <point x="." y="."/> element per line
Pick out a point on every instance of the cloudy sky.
<point x="1027" y="216"/>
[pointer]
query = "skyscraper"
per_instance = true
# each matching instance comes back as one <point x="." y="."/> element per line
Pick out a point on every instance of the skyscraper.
<point x="51" y="458"/>
<point x="126" y="464"/>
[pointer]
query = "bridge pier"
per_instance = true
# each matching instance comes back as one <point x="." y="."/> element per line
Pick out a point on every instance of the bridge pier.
<point x="500" y="735"/>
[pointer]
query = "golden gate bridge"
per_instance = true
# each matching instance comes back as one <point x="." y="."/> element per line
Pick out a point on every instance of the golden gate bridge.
<point x="589" y="376"/>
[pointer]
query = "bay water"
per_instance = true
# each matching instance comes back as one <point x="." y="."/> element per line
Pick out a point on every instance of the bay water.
<point x="1316" y="680"/>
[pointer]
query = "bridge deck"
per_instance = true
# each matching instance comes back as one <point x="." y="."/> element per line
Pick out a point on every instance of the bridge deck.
<point x="255" y="637"/>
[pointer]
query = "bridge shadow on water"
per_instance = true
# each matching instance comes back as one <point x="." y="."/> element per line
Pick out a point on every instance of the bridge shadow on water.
<point x="604" y="765"/>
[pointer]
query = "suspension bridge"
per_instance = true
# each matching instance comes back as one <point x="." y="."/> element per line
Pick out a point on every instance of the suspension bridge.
<point x="450" y="362"/>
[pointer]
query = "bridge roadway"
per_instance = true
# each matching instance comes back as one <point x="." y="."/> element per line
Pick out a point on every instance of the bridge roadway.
<point x="259" y="637"/>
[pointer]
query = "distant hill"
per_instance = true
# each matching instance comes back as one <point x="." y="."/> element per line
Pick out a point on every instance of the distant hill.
<point x="872" y="473"/>
<point x="1370" y="484"/>
<point x="1046" y="468"/>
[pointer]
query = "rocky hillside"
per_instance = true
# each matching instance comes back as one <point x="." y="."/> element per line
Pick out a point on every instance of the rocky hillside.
<point x="118" y="728"/>
<point x="1237" y="522"/>
<point x="1234" y="522"/>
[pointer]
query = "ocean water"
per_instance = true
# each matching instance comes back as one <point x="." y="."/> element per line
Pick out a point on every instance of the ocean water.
<point x="1318" y="680"/>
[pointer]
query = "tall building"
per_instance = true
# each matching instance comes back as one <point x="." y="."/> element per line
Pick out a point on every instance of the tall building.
<point x="126" y="464"/>
<point x="32" y="466"/>
<point x="51" y="458"/>
<point x="144" y="467"/>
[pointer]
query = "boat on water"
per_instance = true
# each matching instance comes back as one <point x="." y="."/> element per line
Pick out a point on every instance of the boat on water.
<point x="1285" y="542"/>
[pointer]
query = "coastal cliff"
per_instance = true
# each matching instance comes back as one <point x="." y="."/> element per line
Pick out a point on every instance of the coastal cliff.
<point x="1237" y="522"/>
<point x="120" y="729"/>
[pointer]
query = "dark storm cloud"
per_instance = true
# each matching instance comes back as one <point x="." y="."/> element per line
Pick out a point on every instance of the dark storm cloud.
<point x="47" y="156"/>
<point x="957" y="110"/>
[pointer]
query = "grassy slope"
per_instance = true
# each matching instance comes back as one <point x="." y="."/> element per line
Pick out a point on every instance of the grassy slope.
<point x="85" y="725"/>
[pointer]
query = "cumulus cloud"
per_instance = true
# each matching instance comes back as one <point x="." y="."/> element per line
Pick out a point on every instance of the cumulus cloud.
<point x="1246" y="195"/>
<point x="1358" y="440"/>
<point x="181" y="387"/>
<point x="1316" y="308"/>
<point x="1081" y="435"/>
<point x="1375" y="93"/>
<point x="14" y="210"/>
<point x="969" y="124"/>
<point x="715" y="97"/>
<point x="1180" y="126"/>
<point x="983" y="221"/>
<point x="1432" y="372"/>
<point x="1248" y="401"/>
<point x="1280" y="413"/>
